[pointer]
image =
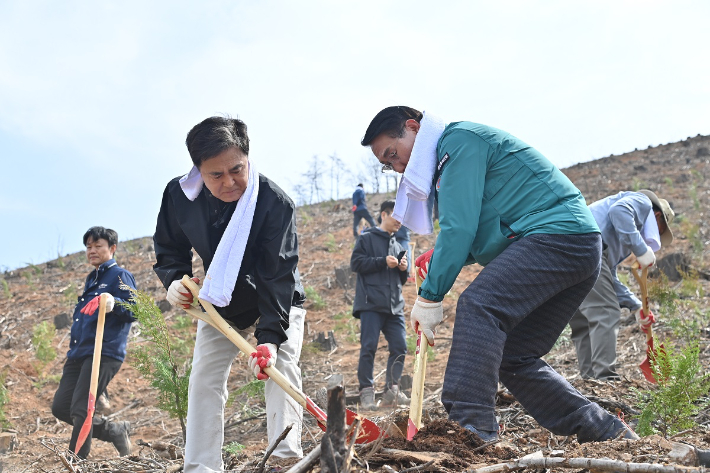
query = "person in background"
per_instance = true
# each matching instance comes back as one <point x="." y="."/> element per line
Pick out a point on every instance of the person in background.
<point x="631" y="223"/>
<point x="402" y="236"/>
<point x="360" y="209"/>
<point x="71" y="400"/>
<point x="379" y="305"/>
<point x="503" y="205"/>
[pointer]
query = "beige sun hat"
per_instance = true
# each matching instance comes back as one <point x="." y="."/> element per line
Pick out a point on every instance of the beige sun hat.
<point x="668" y="214"/>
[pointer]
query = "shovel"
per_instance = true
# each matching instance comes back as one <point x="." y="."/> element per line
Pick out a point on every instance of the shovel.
<point x="417" y="399"/>
<point x="650" y="351"/>
<point x="369" y="430"/>
<point x="94" y="384"/>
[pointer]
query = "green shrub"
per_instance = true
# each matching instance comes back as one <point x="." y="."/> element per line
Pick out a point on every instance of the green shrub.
<point x="688" y="323"/>
<point x="672" y="405"/>
<point x="4" y="400"/>
<point x="349" y="327"/>
<point x="660" y="291"/>
<point x="330" y="243"/>
<point x="42" y="336"/>
<point x="160" y="361"/>
<point x="412" y="348"/>
<point x="233" y="448"/>
<point x="316" y="300"/>
<point x="71" y="295"/>
<point x="6" y="289"/>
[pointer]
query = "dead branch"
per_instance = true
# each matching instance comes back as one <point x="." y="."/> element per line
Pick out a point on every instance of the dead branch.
<point x="307" y="462"/>
<point x="597" y="464"/>
<point x="273" y="446"/>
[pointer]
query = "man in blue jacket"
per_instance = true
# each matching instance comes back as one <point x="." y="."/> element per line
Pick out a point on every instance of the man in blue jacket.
<point x="72" y="396"/>
<point x="630" y="222"/>
<point x="360" y="209"/>
<point x="504" y="205"/>
<point x="380" y="306"/>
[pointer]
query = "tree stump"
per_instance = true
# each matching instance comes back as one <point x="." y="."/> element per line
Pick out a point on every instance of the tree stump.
<point x="334" y="451"/>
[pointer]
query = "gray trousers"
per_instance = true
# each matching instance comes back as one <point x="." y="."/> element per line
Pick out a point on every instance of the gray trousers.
<point x="507" y="319"/>
<point x="595" y="328"/>
<point x="211" y="364"/>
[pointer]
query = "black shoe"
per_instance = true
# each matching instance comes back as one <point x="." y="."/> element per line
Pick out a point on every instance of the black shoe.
<point x="118" y="434"/>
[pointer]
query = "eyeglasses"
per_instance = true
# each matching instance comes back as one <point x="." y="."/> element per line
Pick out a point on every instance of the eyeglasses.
<point x="387" y="167"/>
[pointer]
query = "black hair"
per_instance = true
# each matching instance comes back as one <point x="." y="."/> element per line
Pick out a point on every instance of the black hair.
<point x="386" y="206"/>
<point x="98" y="233"/>
<point x="213" y="135"/>
<point x="360" y="185"/>
<point x="390" y="121"/>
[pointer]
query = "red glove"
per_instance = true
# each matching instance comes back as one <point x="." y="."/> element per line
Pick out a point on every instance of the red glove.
<point x="422" y="264"/>
<point x="645" y="321"/>
<point x="354" y="208"/>
<point x="263" y="357"/>
<point x="90" y="308"/>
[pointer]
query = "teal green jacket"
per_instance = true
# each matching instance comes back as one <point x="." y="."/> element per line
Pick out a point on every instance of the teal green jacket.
<point x="493" y="189"/>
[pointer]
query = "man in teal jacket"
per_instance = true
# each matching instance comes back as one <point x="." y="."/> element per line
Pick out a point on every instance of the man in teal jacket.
<point x="505" y="206"/>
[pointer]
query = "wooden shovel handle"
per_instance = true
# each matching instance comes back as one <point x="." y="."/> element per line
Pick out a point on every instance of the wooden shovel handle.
<point x="212" y="317"/>
<point x="94" y="382"/>
<point x="98" y="344"/>
<point x="642" y="281"/>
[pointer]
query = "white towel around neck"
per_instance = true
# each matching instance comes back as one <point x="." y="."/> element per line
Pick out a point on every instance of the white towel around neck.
<point x="412" y="206"/>
<point x="222" y="276"/>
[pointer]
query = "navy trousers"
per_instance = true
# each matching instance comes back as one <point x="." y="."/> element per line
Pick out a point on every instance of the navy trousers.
<point x="358" y="215"/>
<point x="71" y="400"/>
<point x="392" y="327"/>
<point x="511" y="316"/>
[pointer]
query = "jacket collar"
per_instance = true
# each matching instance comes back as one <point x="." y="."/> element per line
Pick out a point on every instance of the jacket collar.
<point x="104" y="266"/>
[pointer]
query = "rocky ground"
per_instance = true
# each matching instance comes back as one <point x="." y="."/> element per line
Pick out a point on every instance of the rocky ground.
<point x="46" y="292"/>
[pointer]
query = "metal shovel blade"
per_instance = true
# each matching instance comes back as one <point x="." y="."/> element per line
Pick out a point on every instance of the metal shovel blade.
<point x="369" y="430"/>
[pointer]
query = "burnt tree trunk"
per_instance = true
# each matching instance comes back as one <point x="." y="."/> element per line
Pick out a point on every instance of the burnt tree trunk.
<point x="334" y="451"/>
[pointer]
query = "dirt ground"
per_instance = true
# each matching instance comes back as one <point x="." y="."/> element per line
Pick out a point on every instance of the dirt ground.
<point x="43" y="292"/>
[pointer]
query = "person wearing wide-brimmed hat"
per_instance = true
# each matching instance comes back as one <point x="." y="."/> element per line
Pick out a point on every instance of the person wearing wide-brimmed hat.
<point x="631" y="223"/>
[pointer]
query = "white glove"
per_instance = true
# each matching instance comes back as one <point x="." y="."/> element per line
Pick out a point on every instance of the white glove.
<point x="263" y="357"/>
<point x="426" y="316"/>
<point x="647" y="259"/>
<point x="110" y="302"/>
<point x="179" y="295"/>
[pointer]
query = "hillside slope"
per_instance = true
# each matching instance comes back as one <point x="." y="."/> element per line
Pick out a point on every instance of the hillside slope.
<point x="45" y="292"/>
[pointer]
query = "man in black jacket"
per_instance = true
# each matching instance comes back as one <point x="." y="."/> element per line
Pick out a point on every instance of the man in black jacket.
<point x="267" y="296"/>
<point x="380" y="306"/>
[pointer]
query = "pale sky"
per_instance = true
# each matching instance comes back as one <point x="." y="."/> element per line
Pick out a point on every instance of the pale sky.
<point x="96" y="98"/>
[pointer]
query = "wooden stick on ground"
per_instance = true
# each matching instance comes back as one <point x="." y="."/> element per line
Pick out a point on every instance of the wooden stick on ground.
<point x="272" y="447"/>
<point x="598" y="464"/>
<point x="307" y="462"/>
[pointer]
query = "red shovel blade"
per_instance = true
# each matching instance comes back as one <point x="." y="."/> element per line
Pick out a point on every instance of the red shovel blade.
<point x="86" y="427"/>
<point x="369" y="431"/>
<point x="411" y="430"/>
<point x="646" y="364"/>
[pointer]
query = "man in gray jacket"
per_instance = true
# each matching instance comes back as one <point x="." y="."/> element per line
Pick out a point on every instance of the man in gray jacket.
<point x="380" y="306"/>
<point x="630" y="222"/>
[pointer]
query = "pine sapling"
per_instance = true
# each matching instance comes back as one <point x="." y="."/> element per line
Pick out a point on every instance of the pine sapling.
<point x="681" y="393"/>
<point x="159" y="361"/>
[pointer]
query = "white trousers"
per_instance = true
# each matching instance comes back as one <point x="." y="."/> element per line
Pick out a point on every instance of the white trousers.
<point x="211" y="364"/>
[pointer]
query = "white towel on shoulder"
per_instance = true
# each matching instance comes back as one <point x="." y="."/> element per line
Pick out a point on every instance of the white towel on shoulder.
<point x="222" y="276"/>
<point x="412" y="207"/>
<point x="650" y="233"/>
